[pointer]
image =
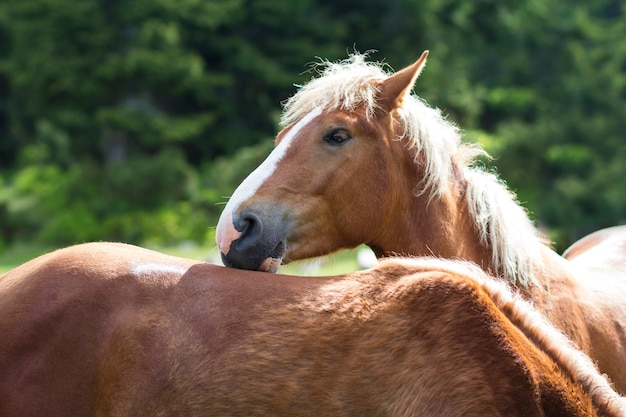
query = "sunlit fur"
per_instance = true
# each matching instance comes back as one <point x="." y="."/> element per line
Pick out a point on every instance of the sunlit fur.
<point x="502" y="223"/>
<point x="534" y="325"/>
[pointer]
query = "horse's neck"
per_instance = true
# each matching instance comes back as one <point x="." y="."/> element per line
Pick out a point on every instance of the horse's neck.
<point x="439" y="227"/>
<point x="551" y="274"/>
<point x="445" y="229"/>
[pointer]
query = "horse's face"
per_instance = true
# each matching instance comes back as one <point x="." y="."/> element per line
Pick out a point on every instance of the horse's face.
<point x="333" y="181"/>
<point x="328" y="184"/>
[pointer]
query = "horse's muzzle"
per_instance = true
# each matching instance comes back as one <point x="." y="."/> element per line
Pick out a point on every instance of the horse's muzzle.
<point x="261" y="244"/>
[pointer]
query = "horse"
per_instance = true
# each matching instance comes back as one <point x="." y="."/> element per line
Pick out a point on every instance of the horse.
<point x="108" y="329"/>
<point x="362" y="160"/>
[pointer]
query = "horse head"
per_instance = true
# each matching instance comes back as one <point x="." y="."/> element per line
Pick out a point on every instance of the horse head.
<point x="334" y="178"/>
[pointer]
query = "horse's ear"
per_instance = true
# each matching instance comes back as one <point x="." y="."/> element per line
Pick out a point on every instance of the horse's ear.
<point x="393" y="90"/>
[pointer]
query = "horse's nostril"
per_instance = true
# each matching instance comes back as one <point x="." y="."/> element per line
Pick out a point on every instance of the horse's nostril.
<point x="249" y="225"/>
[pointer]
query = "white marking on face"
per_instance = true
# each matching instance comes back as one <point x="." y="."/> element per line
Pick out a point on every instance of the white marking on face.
<point x="226" y="232"/>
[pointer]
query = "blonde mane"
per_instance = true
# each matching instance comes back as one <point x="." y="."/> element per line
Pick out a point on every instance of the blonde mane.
<point x="501" y="222"/>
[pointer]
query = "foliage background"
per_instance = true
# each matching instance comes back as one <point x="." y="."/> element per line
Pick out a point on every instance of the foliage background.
<point x="132" y="120"/>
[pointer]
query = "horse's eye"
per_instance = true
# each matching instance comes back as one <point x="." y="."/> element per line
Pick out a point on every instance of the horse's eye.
<point x="337" y="137"/>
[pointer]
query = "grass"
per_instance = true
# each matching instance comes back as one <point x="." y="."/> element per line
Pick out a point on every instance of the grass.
<point x="18" y="254"/>
<point x="339" y="263"/>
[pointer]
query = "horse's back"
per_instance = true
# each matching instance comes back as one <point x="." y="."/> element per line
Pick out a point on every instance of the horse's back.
<point x="115" y="330"/>
<point x="59" y="314"/>
<point x="108" y="328"/>
<point x="599" y="261"/>
<point x="603" y="245"/>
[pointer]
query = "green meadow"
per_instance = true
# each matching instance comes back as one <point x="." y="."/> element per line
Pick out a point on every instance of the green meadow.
<point x="338" y="263"/>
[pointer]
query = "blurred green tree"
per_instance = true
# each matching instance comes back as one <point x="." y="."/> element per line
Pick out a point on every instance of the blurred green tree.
<point x="131" y="119"/>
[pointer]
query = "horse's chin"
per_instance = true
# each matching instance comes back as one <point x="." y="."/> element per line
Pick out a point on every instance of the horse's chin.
<point x="270" y="265"/>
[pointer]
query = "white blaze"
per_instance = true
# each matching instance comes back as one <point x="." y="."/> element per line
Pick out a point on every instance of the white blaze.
<point x="226" y="232"/>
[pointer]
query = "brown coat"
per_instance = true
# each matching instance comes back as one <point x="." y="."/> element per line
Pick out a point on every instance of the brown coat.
<point x="114" y="330"/>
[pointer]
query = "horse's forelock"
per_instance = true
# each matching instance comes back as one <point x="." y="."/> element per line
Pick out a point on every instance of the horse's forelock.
<point x="346" y="85"/>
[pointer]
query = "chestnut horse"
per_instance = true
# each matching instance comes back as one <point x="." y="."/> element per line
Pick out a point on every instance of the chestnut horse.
<point x="106" y="329"/>
<point x="362" y="160"/>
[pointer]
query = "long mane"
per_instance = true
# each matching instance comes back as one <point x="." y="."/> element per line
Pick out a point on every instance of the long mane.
<point x="502" y="224"/>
